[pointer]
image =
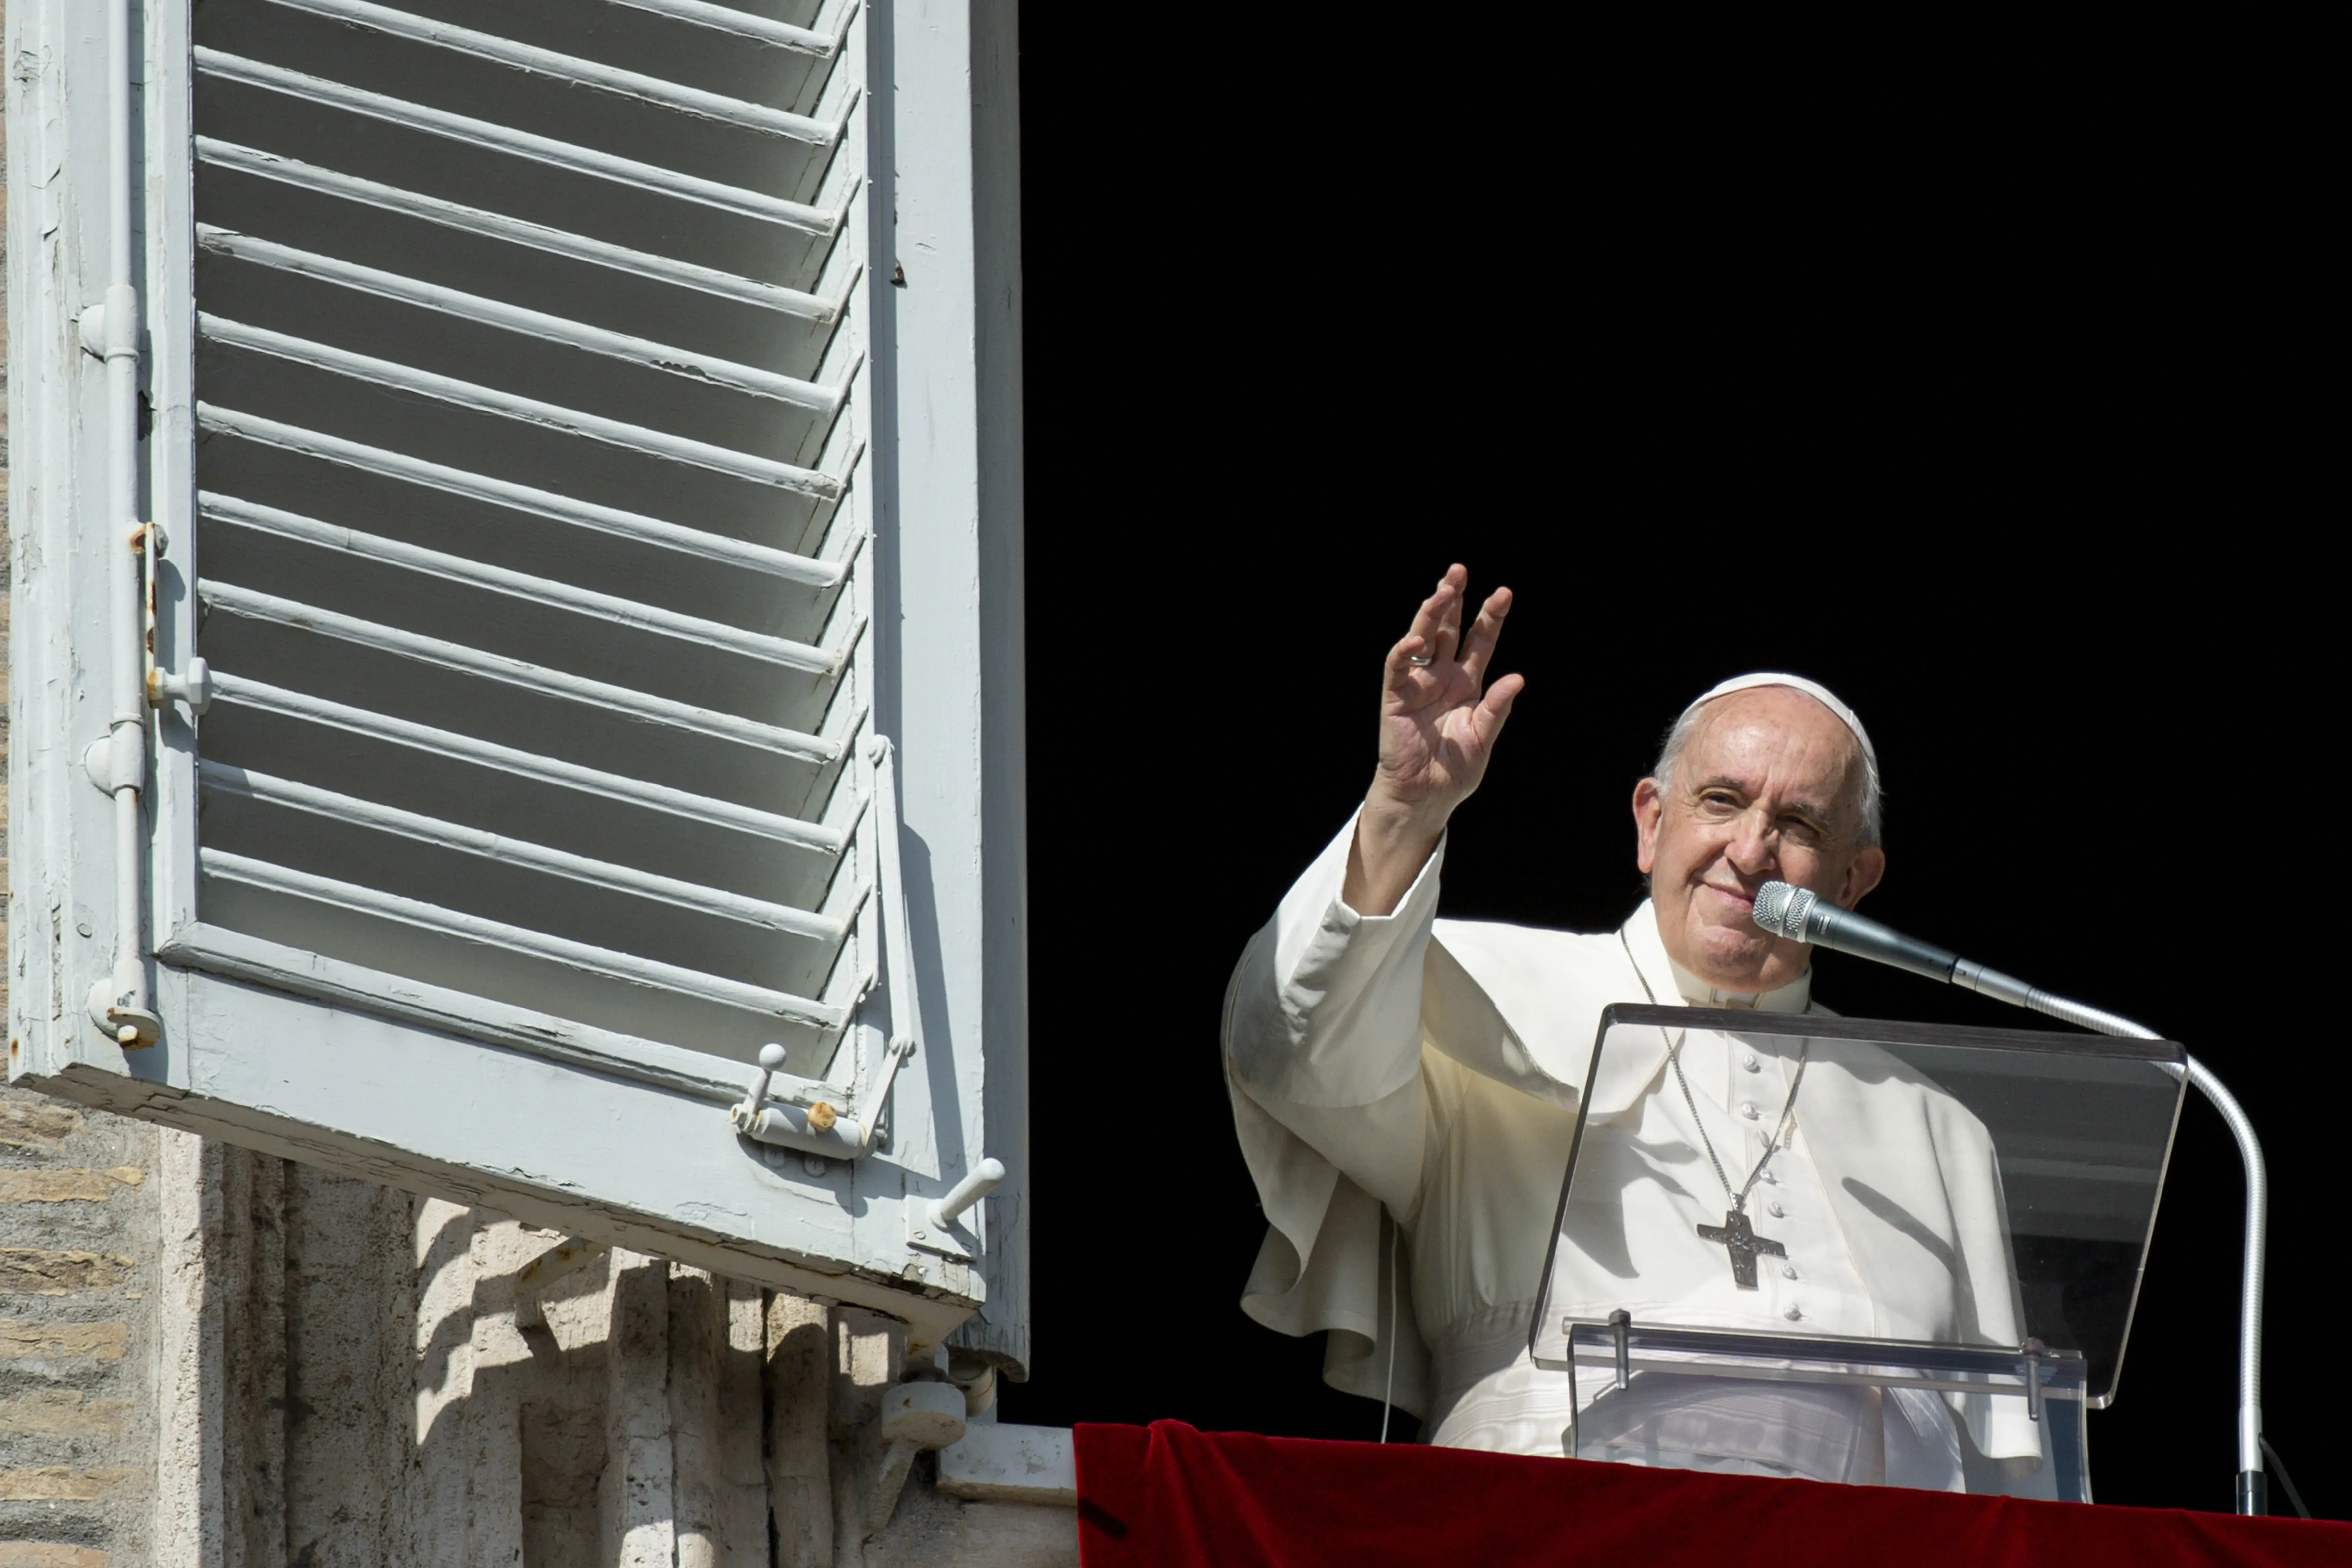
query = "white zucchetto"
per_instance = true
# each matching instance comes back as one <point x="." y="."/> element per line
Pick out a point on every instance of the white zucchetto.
<point x="1812" y="689"/>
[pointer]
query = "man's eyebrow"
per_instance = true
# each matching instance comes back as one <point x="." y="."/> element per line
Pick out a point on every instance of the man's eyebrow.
<point x="1814" y="809"/>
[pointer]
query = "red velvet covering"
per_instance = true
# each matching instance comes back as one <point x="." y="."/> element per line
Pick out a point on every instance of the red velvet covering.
<point x="1166" y="1495"/>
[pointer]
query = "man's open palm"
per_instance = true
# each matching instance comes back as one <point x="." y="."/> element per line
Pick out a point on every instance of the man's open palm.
<point x="1439" y="720"/>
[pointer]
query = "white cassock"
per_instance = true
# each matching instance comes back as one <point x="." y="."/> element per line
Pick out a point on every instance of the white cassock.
<point x="1432" y="1069"/>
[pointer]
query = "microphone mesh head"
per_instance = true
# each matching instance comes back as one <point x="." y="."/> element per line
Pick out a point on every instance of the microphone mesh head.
<point x="1782" y="910"/>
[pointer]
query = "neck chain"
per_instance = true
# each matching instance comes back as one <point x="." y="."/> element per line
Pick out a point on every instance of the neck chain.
<point x="1772" y="1147"/>
<point x="1736" y="1233"/>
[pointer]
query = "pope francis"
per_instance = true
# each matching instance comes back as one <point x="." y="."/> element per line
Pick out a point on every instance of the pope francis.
<point x="1405" y="1089"/>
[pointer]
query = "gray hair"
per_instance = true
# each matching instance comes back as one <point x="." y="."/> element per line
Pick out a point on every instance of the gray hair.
<point x="1670" y="757"/>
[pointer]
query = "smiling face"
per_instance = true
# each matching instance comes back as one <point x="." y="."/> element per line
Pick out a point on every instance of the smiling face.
<point x="1769" y="788"/>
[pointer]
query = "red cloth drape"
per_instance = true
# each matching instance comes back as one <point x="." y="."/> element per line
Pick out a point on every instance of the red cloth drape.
<point x="1166" y="1495"/>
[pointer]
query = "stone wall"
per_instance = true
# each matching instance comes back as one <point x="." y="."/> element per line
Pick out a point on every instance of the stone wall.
<point x="78" y="1342"/>
<point x="386" y="1381"/>
<point x="215" y="1359"/>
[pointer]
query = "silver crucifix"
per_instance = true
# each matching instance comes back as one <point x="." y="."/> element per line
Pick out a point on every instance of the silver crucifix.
<point x="1741" y="1236"/>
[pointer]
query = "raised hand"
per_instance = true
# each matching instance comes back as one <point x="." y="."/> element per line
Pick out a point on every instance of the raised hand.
<point x="1439" y="721"/>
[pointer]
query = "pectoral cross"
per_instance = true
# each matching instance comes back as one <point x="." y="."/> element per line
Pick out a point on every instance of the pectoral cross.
<point x="1737" y="1234"/>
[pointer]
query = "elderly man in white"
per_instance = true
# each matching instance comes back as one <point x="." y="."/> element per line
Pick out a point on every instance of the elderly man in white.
<point x="1405" y="1089"/>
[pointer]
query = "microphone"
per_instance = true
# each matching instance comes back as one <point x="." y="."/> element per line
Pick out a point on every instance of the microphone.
<point x="1803" y="915"/>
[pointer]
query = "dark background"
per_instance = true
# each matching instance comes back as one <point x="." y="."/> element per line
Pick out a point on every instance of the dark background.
<point x="1972" y="376"/>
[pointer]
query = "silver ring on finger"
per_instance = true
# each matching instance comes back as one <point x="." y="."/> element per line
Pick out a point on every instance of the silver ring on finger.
<point x="1419" y="660"/>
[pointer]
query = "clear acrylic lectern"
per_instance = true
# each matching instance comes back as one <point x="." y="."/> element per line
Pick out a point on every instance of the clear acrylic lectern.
<point x="1927" y="1282"/>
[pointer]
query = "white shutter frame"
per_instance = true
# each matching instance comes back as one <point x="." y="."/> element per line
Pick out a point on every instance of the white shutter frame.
<point x="463" y="1095"/>
<point x="958" y="541"/>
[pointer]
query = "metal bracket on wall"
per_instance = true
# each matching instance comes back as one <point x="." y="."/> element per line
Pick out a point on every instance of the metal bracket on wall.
<point x="951" y="1225"/>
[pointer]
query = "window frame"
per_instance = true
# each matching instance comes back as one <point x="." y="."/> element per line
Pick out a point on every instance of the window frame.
<point x="456" y="1097"/>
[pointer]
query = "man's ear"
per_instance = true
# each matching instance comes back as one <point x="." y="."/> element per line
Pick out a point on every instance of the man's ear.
<point x="1861" y="877"/>
<point x="1649" y="806"/>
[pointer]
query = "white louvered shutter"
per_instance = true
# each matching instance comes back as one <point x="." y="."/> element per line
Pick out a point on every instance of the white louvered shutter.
<point x="589" y="541"/>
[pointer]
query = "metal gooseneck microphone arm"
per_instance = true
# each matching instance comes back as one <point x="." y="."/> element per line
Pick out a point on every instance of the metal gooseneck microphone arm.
<point x="1802" y="915"/>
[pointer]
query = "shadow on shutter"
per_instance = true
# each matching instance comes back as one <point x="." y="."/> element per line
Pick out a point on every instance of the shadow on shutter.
<point x="526" y="396"/>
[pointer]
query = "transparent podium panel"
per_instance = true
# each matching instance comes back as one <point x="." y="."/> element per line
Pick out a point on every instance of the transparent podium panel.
<point x="1886" y="1254"/>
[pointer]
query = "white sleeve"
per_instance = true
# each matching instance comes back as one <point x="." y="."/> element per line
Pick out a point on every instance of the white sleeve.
<point x="1322" y="1043"/>
<point x="1323" y="1027"/>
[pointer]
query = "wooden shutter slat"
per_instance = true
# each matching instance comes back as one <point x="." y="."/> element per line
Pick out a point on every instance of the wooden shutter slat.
<point x="219" y="777"/>
<point x="474" y="928"/>
<point x="746" y="25"/>
<point x="502" y="227"/>
<point x="709" y="369"/>
<point x="780" y="652"/>
<point x="469" y="395"/>
<point x="234" y="600"/>
<point x="546" y="150"/>
<point x="234" y="689"/>
<point x="572" y="69"/>
<point x="572" y="510"/>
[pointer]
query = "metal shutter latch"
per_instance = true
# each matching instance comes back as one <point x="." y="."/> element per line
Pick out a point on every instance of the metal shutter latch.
<point x="819" y="1128"/>
<point x="939" y="1226"/>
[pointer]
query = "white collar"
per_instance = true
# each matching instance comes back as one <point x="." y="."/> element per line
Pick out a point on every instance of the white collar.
<point x="1671" y="982"/>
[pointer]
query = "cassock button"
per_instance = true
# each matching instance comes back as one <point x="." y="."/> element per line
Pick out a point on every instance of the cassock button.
<point x="1750" y="1062"/>
<point x="1794" y="1314"/>
<point x="1775" y="1210"/>
<point x="1747" y="1108"/>
<point x="1788" y="1270"/>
